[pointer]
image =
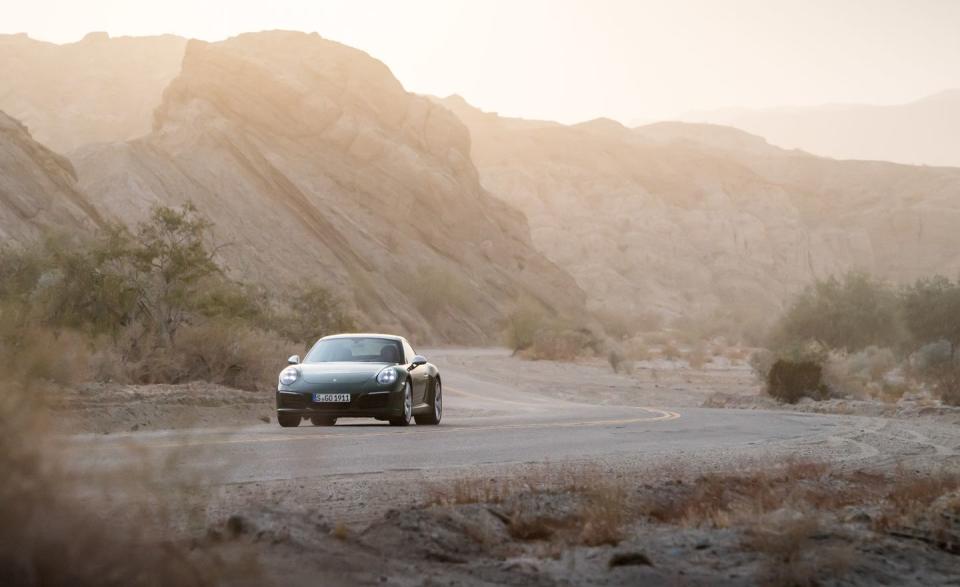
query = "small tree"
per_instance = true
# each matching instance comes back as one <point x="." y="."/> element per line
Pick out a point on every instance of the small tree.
<point x="171" y="258"/>
<point x="931" y="310"/>
<point x="850" y="313"/>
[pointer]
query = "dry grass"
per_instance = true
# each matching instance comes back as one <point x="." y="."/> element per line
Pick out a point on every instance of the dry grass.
<point x="793" y="545"/>
<point x="69" y="528"/>
<point x="792" y="515"/>
<point x="670" y="351"/>
<point x="594" y="514"/>
<point x="697" y="357"/>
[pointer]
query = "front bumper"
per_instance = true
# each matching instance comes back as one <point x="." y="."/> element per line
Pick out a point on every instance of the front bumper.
<point x="372" y="404"/>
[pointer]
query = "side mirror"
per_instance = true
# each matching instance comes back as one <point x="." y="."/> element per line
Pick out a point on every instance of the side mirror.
<point x="294" y="359"/>
<point x="417" y="361"/>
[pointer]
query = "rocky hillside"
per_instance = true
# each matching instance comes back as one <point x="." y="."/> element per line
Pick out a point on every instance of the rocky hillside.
<point x="38" y="189"/>
<point x="96" y="90"/>
<point x="683" y="219"/>
<point x="925" y="131"/>
<point x="316" y="165"/>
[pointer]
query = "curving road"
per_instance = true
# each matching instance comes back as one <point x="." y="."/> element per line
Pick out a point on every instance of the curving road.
<point x="485" y="424"/>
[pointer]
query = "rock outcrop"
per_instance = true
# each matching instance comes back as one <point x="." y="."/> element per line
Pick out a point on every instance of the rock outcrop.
<point x="683" y="219"/>
<point x="316" y="165"/>
<point x="99" y="89"/>
<point x="38" y="189"/>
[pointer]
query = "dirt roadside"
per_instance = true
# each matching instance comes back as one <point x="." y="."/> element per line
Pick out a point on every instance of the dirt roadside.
<point x="460" y="526"/>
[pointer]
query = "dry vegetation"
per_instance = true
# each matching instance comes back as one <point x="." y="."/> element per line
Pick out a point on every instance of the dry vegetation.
<point x="532" y="333"/>
<point x="59" y="527"/>
<point x="597" y="514"/>
<point x="151" y="306"/>
<point x="869" y="340"/>
<point x="795" y="518"/>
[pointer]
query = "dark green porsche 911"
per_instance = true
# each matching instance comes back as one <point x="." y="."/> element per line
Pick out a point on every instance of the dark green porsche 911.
<point x="359" y="376"/>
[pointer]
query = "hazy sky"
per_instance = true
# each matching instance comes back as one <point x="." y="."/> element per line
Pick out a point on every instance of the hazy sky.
<point x="575" y="60"/>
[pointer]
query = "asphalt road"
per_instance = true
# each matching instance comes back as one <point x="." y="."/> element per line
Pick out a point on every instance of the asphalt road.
<point x="484" y="424"/>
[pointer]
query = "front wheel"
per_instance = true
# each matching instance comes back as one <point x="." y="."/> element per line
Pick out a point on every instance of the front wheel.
<point x="436" y="407"/>
<point x="288" y="420"/>
<point x="404" y="419"/>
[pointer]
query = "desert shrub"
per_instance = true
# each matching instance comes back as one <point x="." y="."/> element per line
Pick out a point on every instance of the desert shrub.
<point x="312" y="313"/>
<point x="521" y="326"/>
<point x="114" y="307"/>
<point x="761" y="361"/>
<point x="44" y="355"/>
<point x="735" y="323"/>
<point x="96" y="541"/>
<point x="788" y="381"/>
<point x="169" y="264"/>
<point x="670" y="351"/>
<point x="931" y="310"/>
<point x="697" y="356"/>
<point x="850" y="313"/>
<point x="615" y="358"/>
<point x="230" y="353"/>
<point x="938" y="365"/>
<point x="435" y="290"/>
<point x="621" y="326"/>
<point x="862" y="374"/>
<point x="557" y="342"/>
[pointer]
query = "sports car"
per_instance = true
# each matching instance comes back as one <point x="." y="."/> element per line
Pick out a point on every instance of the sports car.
<point x="359" y="376"/>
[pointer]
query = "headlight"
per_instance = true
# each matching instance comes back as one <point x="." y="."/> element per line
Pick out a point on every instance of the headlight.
<point x="387" y="376"/>
<point x="289" y="375"/>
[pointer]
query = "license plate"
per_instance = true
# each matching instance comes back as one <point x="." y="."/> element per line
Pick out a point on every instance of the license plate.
<point x="327" y="398"/>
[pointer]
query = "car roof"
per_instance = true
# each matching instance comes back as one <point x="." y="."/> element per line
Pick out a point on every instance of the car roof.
<point x="365" y="335"/>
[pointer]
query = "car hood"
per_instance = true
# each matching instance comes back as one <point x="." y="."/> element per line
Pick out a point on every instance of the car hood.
<point x="346" y="372"/>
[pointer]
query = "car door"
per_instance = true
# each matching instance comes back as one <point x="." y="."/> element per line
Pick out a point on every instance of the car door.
<point x="418" y="377"/>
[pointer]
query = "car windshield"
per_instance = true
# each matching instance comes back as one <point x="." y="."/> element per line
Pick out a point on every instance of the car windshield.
<point x="356" y="349"/>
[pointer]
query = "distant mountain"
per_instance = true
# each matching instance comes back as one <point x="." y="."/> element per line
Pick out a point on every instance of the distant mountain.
<point x="926" y="131"/>
<point x="38" y="189"/>
<point x="688" y="219"/>
<point x="316" y="165"/>
<point x="99" y="89"/>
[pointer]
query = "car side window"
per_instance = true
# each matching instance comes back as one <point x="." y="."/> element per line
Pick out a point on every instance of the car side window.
<point x="408" y="352"/>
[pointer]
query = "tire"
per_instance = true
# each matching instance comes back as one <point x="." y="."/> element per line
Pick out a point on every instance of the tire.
<point x="404" y="420"/>
<point x="323" y="420"/>
<point x="436" y="407"/>
<point x="288" y="420"/>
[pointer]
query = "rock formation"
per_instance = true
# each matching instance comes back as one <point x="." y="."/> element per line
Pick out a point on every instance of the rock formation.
<point x="683" y="219"/>
<point x="99" y="89"/>
<point x="38" y="189"/>
<point x="316" y="165"/>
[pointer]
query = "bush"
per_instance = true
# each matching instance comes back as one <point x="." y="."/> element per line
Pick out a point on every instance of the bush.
<point x="621" y="327"/>
<point x="313" y="312"/>
<point x="522" y="325"/>
<point x="851" y="313"/>
<point x="938" y="365"/>
<point x="697" y="356"/>
<point x="106" y="529"/>
<point x="931" y="309"/>
<point x="530" y="331"/>
<point x="148" y="307"/>
<point x="863" y="374"/>
<point x="789" y="381"/>
<point x="230" y="353"/>
<point x="435" y="291"/>
<point x="559" y="343"/>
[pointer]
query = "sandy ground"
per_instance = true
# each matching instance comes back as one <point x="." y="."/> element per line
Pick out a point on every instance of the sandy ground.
<point x="335" y="518"/>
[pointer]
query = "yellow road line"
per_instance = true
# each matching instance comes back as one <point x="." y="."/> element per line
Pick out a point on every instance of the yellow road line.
<point x="660" y="416"/>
